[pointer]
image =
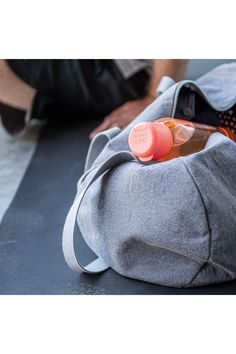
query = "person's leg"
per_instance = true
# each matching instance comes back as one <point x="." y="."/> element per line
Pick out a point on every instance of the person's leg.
<point x="56" y="88"/>
<point x="25" y="92"/>
<point x="64" y="89"/>
<point x="16" y="97"/>
<point x="14" y="92"/>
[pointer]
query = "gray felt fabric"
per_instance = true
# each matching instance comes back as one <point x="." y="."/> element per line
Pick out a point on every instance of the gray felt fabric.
<point x="171" y="223"/>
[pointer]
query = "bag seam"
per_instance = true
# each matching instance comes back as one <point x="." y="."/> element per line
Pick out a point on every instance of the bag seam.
<point x="207" y="221"/>
<point x="210" y="236"/>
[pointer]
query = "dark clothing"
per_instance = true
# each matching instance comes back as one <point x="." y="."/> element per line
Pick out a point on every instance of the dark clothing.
<point x="78" y="88"/>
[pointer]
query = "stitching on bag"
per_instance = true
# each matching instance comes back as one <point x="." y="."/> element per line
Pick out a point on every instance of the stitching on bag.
<point x="210" y="237"/>
<point x="231" y="274"/>
<point x="157" y="245"/>
<point x="197" y="260"/>
<point x="195" y="276"/>
<point x="207" y="221"/>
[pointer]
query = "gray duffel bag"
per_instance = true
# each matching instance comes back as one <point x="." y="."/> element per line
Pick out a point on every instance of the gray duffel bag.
<point x="171" y="223"/>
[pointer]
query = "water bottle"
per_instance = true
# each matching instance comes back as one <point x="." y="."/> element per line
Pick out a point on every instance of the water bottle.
<point x="168" y="138"/>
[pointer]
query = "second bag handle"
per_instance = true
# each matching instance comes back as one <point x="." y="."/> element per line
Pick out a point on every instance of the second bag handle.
<point x="98" y="265"/>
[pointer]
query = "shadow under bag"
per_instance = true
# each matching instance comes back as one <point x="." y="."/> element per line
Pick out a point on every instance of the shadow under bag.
<point x="171" y="223"/>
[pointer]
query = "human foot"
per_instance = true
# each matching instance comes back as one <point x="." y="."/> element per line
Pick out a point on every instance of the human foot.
<point x="13" y="119"/>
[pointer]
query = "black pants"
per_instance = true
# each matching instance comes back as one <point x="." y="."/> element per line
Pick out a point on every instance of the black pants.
<point x="78" y="88"/>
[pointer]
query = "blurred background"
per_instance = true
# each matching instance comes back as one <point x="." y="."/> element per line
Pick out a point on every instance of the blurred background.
<point x="197" y="67"/>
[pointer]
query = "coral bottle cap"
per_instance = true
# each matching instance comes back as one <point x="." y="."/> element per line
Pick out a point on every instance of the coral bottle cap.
<point x="150" y="141"/>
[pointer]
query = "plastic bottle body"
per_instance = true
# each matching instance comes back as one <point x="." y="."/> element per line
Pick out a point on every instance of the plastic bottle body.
<point x="188" y="137"/>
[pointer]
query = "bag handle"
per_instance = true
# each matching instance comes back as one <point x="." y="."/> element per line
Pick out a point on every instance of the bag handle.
<point x="95" y="148"/>
<point x="98" y="144"/>
<point x="165" y="83"/>
<point x="98" y="265"/>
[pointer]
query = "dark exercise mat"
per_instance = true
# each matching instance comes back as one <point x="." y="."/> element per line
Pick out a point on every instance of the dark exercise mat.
<point x="31" y="259"/>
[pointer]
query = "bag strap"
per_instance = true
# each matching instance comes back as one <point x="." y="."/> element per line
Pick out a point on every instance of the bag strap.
<point x="98" y="265"/>
<point x="165" y="83"/>
<point x="98" y="144"/>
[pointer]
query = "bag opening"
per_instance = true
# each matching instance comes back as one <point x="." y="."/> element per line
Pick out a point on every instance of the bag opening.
<point x="192" y="106"/>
